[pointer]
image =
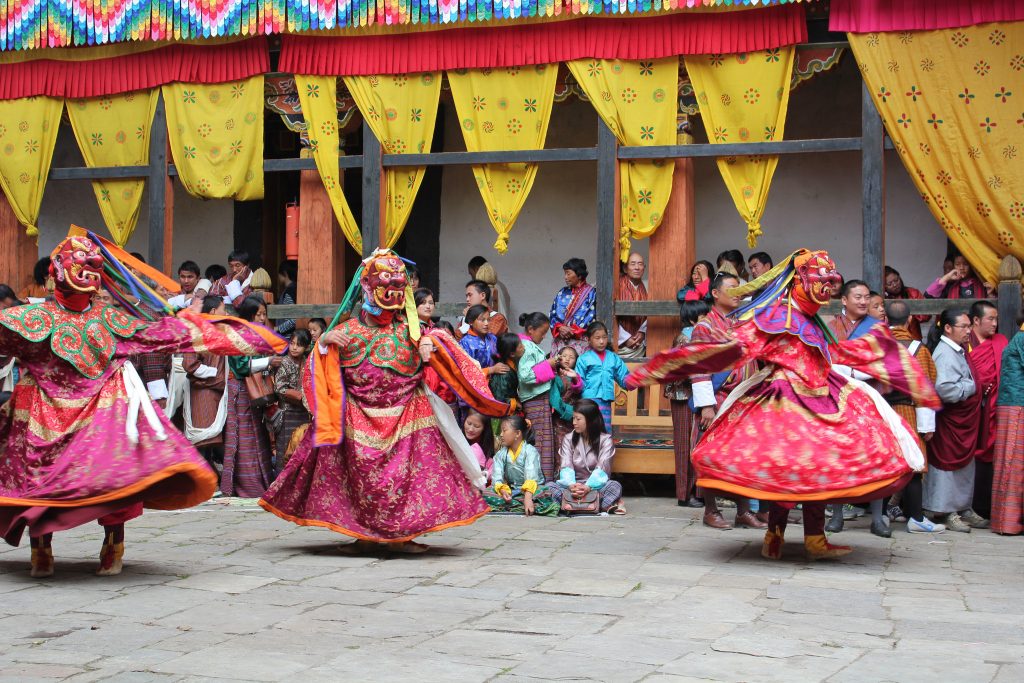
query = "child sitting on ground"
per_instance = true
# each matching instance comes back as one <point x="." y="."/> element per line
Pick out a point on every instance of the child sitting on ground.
<point x="586" y="461"/>
<point x="518" y="482"/>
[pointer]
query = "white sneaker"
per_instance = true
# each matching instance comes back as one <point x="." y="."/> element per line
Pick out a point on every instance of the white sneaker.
<point x="926" y="526"/>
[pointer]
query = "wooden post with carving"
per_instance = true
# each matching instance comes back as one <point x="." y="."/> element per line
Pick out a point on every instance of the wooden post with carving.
<point x="1009" y="296"/>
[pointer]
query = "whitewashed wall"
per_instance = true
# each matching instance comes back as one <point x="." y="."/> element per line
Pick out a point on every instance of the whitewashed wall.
<point x="203" y="230"/>
<point x="815" y="202"/>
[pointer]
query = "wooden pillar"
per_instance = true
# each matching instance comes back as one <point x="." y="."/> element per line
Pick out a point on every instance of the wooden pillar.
<point x="373" y="192"/>
<point x="1009" y="303"/>
<point x="607" y="222"/>
<point x="321" y="244"/>
<point x="20" y="251"/>
<point x="673" y="252"/>
<point x="161" y="194"/>
<point x="873" y="189"/>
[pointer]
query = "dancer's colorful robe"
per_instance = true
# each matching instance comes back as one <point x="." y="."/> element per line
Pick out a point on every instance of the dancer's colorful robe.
<point x="384" y="472"/>
<point x="797" y="430"/>
<point x="68" y="456"/>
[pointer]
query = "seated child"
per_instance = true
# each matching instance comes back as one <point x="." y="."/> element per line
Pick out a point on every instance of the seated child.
<point x="518" y="482"/>
<point x="586" y="460"/>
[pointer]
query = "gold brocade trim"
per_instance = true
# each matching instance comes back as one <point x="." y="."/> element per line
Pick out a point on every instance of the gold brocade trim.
<point x="388" y="442"/>
<point x="41" y="431"/>
<point x="393" y="411"/>
<point x="801" y="389"/>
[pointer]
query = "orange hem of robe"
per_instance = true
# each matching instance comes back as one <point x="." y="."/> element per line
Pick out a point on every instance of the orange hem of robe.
<point x="355" y="534"/>
<point x="206" y="484"/>
<point x="838" y="494"/>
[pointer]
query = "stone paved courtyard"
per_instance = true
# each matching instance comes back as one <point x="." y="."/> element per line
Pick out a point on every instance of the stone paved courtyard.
<point x="226" y="591"/>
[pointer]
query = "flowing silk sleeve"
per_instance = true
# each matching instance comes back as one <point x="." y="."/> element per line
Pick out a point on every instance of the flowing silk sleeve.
<point x="879" y="355"/>
<point x="458" y="370"/>
<point x="700" y="358"/>
<point x="221" y="335"/>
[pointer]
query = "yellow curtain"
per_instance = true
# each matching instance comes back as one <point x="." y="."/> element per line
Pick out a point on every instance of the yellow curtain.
<point x="951" y="101"/>
<point x="216" y="136"/>
<point x="743" y="98"/>
<point x="401" y="110"/>
<point x="504" y="109"/>
<point x="318" y="97"/>
<point x="114" y="131"/>
<point x="28" y="131"/>
<point x="637" y="100"/>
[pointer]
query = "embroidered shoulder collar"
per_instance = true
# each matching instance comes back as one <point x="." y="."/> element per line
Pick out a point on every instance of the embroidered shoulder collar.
<point x="780" y="318"/>
<point x="86" y="340"/>
<point x="387" y="346"/>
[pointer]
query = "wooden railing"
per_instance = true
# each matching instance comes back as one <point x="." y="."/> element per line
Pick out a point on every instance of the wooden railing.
<point x="1008" y="302"/>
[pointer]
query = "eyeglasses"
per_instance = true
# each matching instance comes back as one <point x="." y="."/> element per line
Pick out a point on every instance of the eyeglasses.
<point x="962" y="325"/>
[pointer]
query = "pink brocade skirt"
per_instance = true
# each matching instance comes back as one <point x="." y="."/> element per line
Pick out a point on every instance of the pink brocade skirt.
<point x="392" y="478"/>
<point x="66" y="462"/>
<point x="784" y="441"/>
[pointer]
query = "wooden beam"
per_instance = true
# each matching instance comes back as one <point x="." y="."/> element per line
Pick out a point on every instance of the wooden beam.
<point x="326" y="310"/>
<point x="873" y="192"/>
<point x="169" y="265"/>
<point x="1009" y="303"/>
<point x="321" y="249"/>
<point x="668" y="308"/>
<point x="828" y="145"/>
<point x="20" y="251"/>
<point x="157" y="182"/>
<point x="373" y="189"/>
<point x="673" y="252"/>
<point x="607" y="221"/>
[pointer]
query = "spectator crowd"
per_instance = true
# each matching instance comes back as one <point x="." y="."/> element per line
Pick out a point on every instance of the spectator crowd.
<point x="561" y="368"/>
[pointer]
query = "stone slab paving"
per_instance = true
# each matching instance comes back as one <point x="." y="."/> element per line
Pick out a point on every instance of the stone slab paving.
<point x="227" y="592"/>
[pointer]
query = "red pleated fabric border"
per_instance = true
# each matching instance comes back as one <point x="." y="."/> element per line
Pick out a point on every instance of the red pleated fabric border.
<point x="865" y="16"/>
<point x="648" y="38"/>
<point x="111" y="75"/>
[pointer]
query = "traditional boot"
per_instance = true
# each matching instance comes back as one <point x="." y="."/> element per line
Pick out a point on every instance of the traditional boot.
<point x="818" y="548"/>
<point x="42" y="556"/>
<point x="771" y="549"/>
<point x="112" y="552"/>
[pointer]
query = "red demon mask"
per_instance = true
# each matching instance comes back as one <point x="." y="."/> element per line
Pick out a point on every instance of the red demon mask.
<point x="384" y="281"/>
<point x="77" y="267"/>
<point x="817" y="279"/>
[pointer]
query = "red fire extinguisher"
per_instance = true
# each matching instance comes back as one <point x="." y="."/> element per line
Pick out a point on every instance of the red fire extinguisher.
<point x="291" y="230"/>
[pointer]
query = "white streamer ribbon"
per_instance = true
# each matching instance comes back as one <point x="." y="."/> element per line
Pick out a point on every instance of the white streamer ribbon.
<point x="138" y="398"/>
